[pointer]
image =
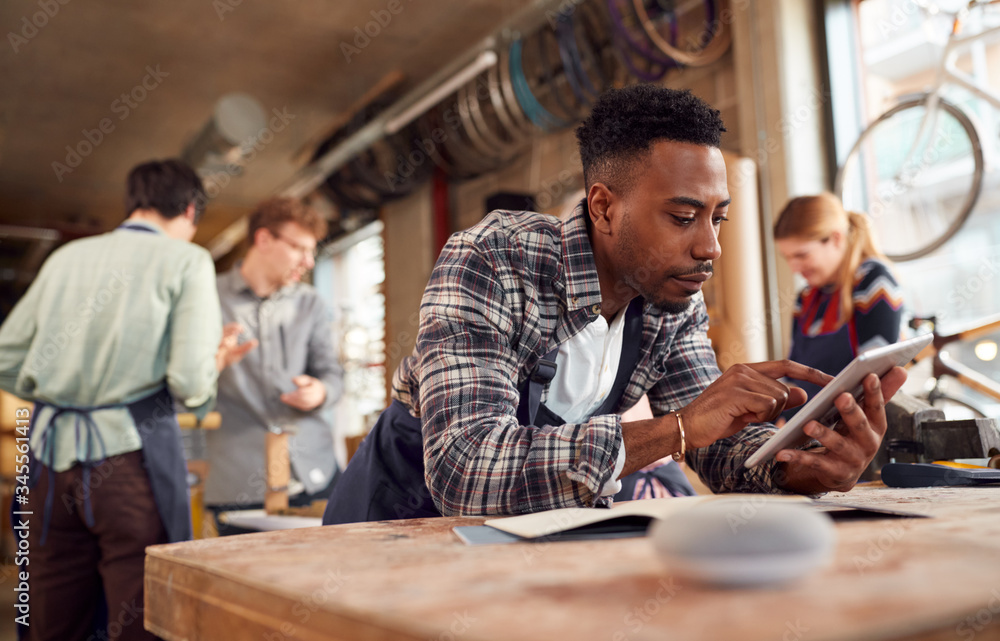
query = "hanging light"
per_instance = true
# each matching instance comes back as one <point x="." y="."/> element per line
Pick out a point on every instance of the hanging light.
<point x="224" y="142"/>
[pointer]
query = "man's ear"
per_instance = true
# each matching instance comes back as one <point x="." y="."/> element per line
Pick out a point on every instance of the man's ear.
<point x="260" y="237"/>
<point x="599" y="202"/>
<point x="190" y="213"/>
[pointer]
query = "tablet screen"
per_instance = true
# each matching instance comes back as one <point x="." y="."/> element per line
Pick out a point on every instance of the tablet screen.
<point x="821" y="408"/>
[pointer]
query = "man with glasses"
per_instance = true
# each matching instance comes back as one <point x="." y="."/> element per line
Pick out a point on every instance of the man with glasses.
<point x="291" y="381"/>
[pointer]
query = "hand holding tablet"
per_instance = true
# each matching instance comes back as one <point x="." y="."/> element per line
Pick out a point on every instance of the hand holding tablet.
<point x="822" y="409"/>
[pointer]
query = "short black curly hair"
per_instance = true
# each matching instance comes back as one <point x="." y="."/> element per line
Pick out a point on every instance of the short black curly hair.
<point x="626" y="122"/>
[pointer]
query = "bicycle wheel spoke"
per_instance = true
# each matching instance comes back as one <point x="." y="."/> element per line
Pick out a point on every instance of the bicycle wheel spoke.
<point x="916" y="175"/>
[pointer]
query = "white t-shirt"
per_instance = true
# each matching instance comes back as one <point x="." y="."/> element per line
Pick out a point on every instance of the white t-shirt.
<point x="586" y="368"/>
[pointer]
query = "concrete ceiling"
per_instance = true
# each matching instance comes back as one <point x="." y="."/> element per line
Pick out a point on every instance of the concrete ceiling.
<point x="60" y="82"/>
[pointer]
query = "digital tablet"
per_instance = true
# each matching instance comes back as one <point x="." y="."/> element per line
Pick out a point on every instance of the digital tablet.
<point x="821" y="408"/>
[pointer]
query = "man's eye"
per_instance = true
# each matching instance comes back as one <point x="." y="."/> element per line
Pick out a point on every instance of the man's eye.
<point x="681" y="220"/>
<point x="718" y="220"/>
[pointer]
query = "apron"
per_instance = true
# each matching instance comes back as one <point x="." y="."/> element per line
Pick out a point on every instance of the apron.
<point x="385" y="478"/>
<point x="163" y="458"/>
<point x="162" y="453"/>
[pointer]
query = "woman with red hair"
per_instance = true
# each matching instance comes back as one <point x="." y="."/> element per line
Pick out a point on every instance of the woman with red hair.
<point x="851" y="301"/>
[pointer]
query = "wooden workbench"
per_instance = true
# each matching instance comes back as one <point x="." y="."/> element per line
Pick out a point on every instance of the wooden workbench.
<point x="918" y="579"/>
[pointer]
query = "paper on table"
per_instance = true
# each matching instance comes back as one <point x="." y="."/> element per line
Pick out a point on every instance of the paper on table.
<point x="539" y="524"/>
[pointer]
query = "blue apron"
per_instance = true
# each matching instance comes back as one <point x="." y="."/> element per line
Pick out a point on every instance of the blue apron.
<point x="163" y="458"/>
<point x="162" y="453"/>
<point x="385" y="478"/>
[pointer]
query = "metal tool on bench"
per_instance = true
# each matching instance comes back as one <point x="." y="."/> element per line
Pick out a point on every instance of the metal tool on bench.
<point x="931" y="475"/>
<point x="919" y="433"/>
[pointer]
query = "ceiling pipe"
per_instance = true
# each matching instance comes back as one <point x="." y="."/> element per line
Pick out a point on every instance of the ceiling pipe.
<point x="309" y="178"/>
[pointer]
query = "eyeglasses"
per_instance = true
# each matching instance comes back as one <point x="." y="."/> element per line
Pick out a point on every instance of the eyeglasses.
<point x="302" y="249"/>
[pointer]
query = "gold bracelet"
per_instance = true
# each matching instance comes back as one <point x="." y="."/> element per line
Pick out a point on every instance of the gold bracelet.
<point x="679" y="456"/>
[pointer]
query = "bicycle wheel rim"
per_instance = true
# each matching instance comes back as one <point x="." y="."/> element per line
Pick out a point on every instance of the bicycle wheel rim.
<point x="917" y="193"/>
<point x="573" y="64"/>
<point x="534" y="110"/>
<point x="487" y="122"/>
<point x="655" y="72"/>
<point x="636" y="42"/>
<point x="715" y="29"/>
<point x="480" y="144"/>
<point x="518" y="131"/>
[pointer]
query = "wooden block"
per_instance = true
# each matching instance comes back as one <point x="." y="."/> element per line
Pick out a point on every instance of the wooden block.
<point x="9" y="404"/>
<point x="278" y="472"/>
<point x="188" y="421"/>
<point x="275" y="502"/>
<point x="8" y="543"/>
<point x="316" y="509"/>
<point x="8" y="453"/>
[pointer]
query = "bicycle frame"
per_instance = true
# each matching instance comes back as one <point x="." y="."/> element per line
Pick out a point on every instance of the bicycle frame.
<point x="944" y="365"/>
<point x="949" y="73"/>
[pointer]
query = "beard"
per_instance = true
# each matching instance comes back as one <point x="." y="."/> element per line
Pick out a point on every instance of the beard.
<point x="639" y="274"/>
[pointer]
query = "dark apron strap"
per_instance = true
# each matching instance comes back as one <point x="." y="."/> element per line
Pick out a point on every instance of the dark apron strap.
<point x="631" y="344"/>
<point x="385" y="478"/>
<point x="663" y="480"/>
<point x="163" y="456"/>
<point x="46" y="448"/>
<point x="532" y="389"/>
<point x="531" y="409"/>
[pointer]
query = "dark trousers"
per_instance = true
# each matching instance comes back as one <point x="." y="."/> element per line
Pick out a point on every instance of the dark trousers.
<point x="77" y="561"/>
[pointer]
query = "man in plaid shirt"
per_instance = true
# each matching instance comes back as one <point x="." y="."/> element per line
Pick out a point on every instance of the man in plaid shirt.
<point x="519" y="286"/>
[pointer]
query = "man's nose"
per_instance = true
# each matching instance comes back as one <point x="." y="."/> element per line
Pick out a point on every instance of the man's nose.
<point x="706" y="244"/>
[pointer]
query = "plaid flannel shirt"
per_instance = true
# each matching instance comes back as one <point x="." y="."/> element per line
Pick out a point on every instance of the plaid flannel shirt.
<point x="504" y="293"/>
